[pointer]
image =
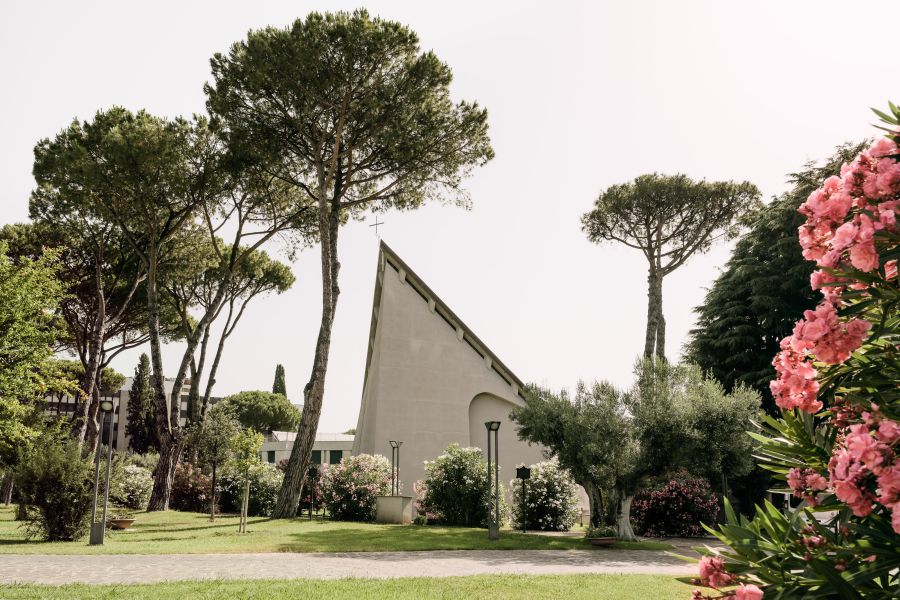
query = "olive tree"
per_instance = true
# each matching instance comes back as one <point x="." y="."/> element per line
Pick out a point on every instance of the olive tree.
<point x="349" y="111"/>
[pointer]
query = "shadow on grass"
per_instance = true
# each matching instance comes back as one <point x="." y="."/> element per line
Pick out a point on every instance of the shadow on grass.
<point x="351" y="538"/>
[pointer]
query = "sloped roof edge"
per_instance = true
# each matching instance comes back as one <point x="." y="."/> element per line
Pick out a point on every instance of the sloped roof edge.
<point x="386" y="254"/>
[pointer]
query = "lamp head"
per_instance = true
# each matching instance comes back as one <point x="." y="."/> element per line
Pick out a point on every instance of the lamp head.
<point x="523" y="473"/>
<point x="106" y="405"/>
<point x="492" y="425"/>
<point x="395" y="444"/>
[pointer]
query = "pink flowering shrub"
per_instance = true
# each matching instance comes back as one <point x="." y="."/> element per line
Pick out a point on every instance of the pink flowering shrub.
<point x="678" y="506"/>
<point x="349" y="489"/>
<point x="837" y="445"/>
<point x="190" y="490"/>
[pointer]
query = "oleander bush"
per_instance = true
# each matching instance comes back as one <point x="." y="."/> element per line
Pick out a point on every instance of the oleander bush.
<point x="190" y="490"/>
<point x="551" y="499"/>
<point x="456" y="490"/>
<point x="349" y="489"/>
<point x="131" y="488"/>
<point x="55" y="484"/>
<point x="676" y="506"/>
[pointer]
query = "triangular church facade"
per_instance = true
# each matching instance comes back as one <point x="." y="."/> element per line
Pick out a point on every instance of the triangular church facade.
<point x="430" y="381"/>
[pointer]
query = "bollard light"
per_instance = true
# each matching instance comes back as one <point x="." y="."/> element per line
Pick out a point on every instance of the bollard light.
<point x="523" y="473"/>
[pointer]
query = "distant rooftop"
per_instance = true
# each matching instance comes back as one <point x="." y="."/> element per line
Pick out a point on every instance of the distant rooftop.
<point x="290" y="436"/>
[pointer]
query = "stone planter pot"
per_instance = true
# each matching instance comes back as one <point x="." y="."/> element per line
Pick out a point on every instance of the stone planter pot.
<point x="395" y="510"/>
<point x="120" y="524"/>
<point x="602" y="541"/>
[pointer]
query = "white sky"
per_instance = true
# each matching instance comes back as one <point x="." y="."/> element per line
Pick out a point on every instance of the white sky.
<point x="580" y="95"/>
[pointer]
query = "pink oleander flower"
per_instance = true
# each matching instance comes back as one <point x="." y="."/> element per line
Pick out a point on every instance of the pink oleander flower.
<point x="826" y="336"/>
<point x="895" y="517"/>
<point x="889" y="486"/>
<point x="795" y="385"/>
<point x="888" y="431"/>
<point x="863" y="448"/>
<point x="712" y="572"/>
<point x="748" y="592"/>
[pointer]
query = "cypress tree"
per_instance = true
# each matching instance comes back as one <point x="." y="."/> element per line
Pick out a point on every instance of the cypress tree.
<point x="140" y="430"/>
<point x="279" y="386"/>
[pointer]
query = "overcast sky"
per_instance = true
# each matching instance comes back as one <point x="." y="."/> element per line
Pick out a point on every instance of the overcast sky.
<point x="580" y="95"/>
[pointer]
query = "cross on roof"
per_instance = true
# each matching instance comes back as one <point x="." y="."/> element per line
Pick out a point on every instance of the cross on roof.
<point x="376" y="224"/>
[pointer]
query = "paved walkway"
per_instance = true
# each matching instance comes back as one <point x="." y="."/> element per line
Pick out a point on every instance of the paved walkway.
<point x="145" y="568"/>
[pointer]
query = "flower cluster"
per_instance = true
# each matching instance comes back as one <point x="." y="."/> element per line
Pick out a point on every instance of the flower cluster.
<point x="864" y="468"/>
<point x="349" y="489"/>
<point x="714" y="575"/>
<point x="456" y="489"/>
<point x="844" y="217"/>
<point x="806" y="483"/>
<point x="677" y="506"/>
<point x="551" y="499"/>
<point x="846" y="212"/>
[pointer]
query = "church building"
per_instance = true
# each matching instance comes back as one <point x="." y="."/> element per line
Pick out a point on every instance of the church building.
<point x="430" y="381"/>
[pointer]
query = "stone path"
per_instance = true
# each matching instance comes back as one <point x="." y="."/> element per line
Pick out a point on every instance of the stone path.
<point x="145" y="568"/>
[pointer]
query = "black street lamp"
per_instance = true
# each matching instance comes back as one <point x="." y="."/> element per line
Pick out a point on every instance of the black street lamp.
<point x="524" y="473"/>
<point x="395" y="467"/>
<point x="99" y="528"/>
<point x="494" y="524"/>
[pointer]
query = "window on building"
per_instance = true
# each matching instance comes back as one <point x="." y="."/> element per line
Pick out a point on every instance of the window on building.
<point x="335" y="457"/>
<point x="270" y="456"/>
<point x="317" y="457"/>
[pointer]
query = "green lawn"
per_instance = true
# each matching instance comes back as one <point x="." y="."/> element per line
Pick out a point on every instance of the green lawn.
<point x="497" y="587"/>
<point x="191" y="533"/>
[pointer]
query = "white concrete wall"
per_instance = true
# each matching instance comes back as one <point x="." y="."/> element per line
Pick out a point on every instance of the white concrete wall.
<point x="428" y="387"/>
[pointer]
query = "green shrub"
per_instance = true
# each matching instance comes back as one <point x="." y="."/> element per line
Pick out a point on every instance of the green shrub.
<point x="190" y="490"/>
<point x="349" y="489"/>
<point x="56" y="485"/>
<point x="551" y="499"/>
<point x="132" y="488"/>
<point x="455" y="490"/>
<point x="147" y="461"/>
<point x="265" y="482"/>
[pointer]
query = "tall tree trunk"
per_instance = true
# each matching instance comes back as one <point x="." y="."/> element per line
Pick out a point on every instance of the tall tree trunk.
<point x="91" y="377"/>
<point x="94" y="434"/>
<point x="595" y="503"/>
<point x="654" y="303"/>
<point x="194" y="414"/>
<point x="314" y="391"/>
<point x="660" y="324"/>
<point x="6" y="489"/>
<point x="169" y="445"/>
<point x="245" y="502"/>
<point x="212" y="501"/>
<point x="623" y="520"/>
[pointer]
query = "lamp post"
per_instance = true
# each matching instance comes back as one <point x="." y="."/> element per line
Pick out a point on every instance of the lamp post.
<point x="395" y="467"/>
<point x="312" y="473"/>
<point x="99" y="528"/>
<point x="493" y="427"/>
<point x="524" y="473"/>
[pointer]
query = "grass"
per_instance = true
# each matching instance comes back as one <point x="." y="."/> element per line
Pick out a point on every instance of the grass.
<point x="495" y="587"/>
<point x="174" y="532"/>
